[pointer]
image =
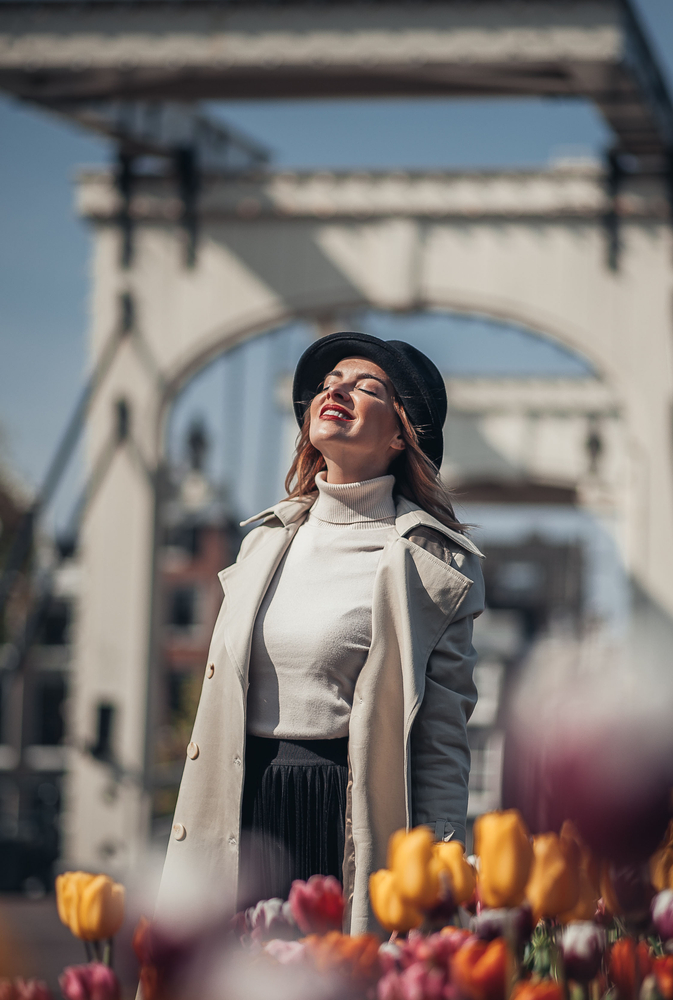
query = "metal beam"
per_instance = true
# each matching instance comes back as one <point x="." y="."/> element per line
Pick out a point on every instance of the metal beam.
<point x="55" y="51"/>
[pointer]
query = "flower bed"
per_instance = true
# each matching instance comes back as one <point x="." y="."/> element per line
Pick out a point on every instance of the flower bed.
<point x="525" y="918"/>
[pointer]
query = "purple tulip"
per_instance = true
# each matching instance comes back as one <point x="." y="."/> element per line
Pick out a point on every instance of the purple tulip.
<point x="491" y="924"/>
<point x="94" y="981"/>
<point x="662" y="914"/>
<point x="583" y="944"/>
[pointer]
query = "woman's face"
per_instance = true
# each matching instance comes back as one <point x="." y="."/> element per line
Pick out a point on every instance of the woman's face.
<point x="353" y="422"/>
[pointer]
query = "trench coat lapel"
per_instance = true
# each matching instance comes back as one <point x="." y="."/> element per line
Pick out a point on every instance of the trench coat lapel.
<point x="244" y="585"/>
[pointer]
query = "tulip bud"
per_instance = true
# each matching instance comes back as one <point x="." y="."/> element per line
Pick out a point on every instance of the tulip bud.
<point x="553" y="885"/>
<point x="318" y="904"/>
<point x="417" y="877"/>
<point x="92" y="906"/>
<point x="452" y="860"/>
<point x="583" y="944"/>
<point x="392" y="911"/>
<point x="502" y="843"/>
<point x="94" y="981"/>
<point x="662" y="914"/>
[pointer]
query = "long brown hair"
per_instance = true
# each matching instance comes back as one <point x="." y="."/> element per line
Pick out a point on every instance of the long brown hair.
<point x="416" y="478"/>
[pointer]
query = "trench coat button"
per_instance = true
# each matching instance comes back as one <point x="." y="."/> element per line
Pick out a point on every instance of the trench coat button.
<point x="211" y="669"/>
<point x="237" y="761"/>
<point x="193" y="751"/>
<point x="179" y="831"/>
<point x="232" y="841"/>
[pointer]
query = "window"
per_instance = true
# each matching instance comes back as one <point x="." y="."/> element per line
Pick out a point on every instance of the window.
<point x="49" y="710"/>
<point x="182" y="607"/>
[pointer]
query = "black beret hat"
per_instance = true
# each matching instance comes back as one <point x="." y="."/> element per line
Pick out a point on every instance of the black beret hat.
<point x="417" y="381"/>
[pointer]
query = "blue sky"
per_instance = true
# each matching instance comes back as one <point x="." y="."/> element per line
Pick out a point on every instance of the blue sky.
<point x="44" y="249"/>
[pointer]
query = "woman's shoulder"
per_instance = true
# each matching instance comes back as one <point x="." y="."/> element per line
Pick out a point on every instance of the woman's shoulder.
<point x="425" y="530"/>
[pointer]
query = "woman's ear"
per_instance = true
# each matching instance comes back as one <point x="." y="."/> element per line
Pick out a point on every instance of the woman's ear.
<point x="398" y="442"/>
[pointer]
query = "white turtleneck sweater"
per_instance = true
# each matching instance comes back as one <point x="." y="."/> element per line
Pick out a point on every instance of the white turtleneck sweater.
<point x="314" y="628"/>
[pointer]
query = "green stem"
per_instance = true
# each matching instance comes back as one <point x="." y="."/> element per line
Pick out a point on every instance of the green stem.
<point x="557" y="963"/>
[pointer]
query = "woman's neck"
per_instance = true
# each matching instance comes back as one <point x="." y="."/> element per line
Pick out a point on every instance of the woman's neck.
<point x="367" y="504"/>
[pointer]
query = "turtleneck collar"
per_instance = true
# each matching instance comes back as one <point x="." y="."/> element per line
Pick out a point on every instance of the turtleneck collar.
<point x="368" y="504"/>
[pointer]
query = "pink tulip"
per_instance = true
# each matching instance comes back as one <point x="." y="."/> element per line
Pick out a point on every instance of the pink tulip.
<point x="94" y="981"/>
<point x="24" y="989"/>
<point x="317" y="905"/>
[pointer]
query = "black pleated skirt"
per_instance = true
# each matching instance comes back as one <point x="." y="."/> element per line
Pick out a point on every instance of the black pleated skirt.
<point x="293" y="815"/>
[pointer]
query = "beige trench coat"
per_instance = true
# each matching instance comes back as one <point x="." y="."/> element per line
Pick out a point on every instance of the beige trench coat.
<point x="408" y="753"/>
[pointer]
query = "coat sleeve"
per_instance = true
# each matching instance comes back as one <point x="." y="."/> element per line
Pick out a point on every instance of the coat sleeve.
<point x="440" y="754"/>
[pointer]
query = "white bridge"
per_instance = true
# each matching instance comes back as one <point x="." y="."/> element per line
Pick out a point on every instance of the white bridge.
<point x="184" y="271"/>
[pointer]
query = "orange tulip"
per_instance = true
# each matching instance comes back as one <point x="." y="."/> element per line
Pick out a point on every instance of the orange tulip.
<point x="451" y="859"/>
<point x="92" y="906"/>
<point x="589" y="879"/>
<point x="481" y="971"/>
<point x="390" y="909"/>
<point x="502" y="842"/>
<point x="629" y="964"/>
<point x="554" y="883"/>
<point x="661" y="863"/>
<point x="411" y="860"/>
<point x="356" y="958"/>
<point x="537" y="989"/>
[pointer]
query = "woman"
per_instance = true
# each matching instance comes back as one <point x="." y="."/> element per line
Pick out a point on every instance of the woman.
<point x="339" y="678"/>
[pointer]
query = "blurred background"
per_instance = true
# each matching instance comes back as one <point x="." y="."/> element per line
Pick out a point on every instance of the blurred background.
<point x="193" y="192"/>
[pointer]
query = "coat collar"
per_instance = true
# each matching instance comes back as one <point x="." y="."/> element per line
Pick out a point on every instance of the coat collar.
<point x="408" y="516"/>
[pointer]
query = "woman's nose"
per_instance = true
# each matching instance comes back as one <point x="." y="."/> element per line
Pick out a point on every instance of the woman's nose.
<point x="338" y="391"/>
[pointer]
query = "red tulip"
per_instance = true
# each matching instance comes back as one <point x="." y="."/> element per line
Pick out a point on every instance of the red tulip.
<point x="317" y="905"/>
<point x="94" y="981"/>
<point x="663" y="973"/>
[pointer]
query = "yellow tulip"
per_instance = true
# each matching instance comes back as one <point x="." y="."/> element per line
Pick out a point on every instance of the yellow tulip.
<point x="392" y="911"/>
<point x="502" y="842"/>
<point x="411" y="860"/>
<point x="452" y="860"/>
<point x="92" y="906"/>
<point x="554" y="883"/>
